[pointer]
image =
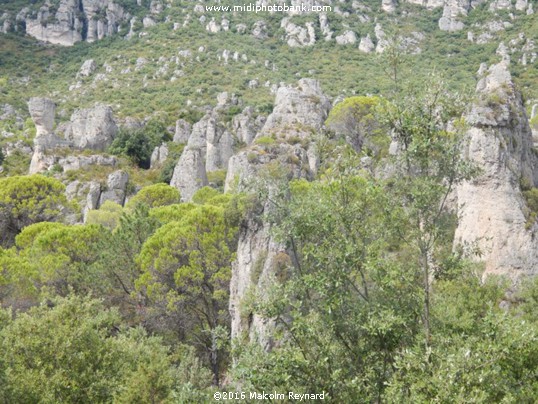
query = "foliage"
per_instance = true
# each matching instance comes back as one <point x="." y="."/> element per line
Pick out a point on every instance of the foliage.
<point x="108" y="215"/>
<point x="28" y="199"/>
<point x="62" y="256"/>
<point x="155" y="195"/>
<point x="204" y="194"/>
<point x="139" y="144"/>
<point x="187" y="264"/>
<point x="355" y="119"/>
<point x="72" y="350"/>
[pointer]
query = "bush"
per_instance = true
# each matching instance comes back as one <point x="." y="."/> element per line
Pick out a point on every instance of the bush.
<point x="139" y="144"/>
<point x="155" y="195"/>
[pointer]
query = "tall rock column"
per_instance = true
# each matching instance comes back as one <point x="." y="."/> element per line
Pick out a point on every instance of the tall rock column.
<point x="286" y="140"/>
<point x="491" y="209"/>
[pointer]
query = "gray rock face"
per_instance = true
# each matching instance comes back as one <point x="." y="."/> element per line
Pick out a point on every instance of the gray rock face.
<point x="214" y="142"/>
<point x="116" y="188"/>
<point x="452" y="12"/>
<point x="190" y="174"/>
<point x="75" y="20"/>
<point x="77" y="162"/>
<point x="183" y="131"/>
<point x="259" y="30"/>
<point x="500" y="5"/>
<point x="92" y="128"/>
<point x="297" y="108"/>
<point x="245" y="126"/>
<point x="347" y="38"/>
<point x="159" y="156"/>
<point x="87" y="68"/>
<point x="381" y="37"/>
<point x="388" y="6"/>
<point x="366" y="45"/>
<point x="299" y="111"/>
<point x="324" y="27"/>
<point x="297" y="36"/>
<point x="42" y="111"/>
<point x="491" y="209"/>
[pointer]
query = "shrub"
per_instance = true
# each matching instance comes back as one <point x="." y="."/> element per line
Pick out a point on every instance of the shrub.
<point x="155" y="195"/>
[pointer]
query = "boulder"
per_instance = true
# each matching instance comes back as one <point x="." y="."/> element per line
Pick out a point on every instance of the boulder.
<point x="366" y="45"/>
<point x="297" y="110"/>
<point x="347" y="38"/>
<point x="452" y="12"/>
<point x="87" y="68"/>
<point x="298" y="36"/>
<point x="159" y="156"/>
<point x="92" y="128"/>
<point x="189" y="174"/>
<point x="183" y="131"/>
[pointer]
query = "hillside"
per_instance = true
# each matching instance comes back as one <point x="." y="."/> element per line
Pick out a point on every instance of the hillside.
<point x="337" y="200"/>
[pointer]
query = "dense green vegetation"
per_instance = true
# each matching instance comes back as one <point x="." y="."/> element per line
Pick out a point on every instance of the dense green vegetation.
<point x="367" y="300"/>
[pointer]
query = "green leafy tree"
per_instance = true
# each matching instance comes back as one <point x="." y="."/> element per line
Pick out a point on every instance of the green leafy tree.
<point x="25" y="200"/>
<point x="426" y="124"/>
<point x="117" y="260"/>
<point x="343" y="306"/>
<point x="73" y="349"/>
<point x="155" y="195"/>
<point x="186" y="268"/>
<point x="355" y="118"/>
<point x="139" y="144"/>
<point x="62" y="257"/>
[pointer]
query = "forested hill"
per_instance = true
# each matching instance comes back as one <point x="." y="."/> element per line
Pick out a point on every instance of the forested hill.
<point x="337" y="202"/>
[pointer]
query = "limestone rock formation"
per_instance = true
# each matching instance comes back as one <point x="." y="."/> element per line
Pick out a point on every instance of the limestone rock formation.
<point x="92" y="128"/>
<point x="245" y="125"/>
<point x="159" y="155"/>
<point x="259" y="30"/>
<point x="324" y="27"/>
<point x="381" y="37"/>
<point x="366" y="45"/>
<point x="190" y="174"/>
<point x="183" y="131"/>
<point x="304" y="107"/>
<point x="116" y="189"/>
<point x="286" y="140"/>
<point x="388" y="6"/>
<point x="87" y="68"/>
<point x="75" y="20"/>
<point x="452" y="13"/>
<point x="42" y="111"/>
<point x="347" y="38"/>
<point x="298" y="36"/>
<point x="491" y="208"/>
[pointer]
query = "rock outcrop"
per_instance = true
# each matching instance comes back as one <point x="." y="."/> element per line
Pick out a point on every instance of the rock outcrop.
<point x="452" y="13"/>
<point x="366" y="45"/>
<point x="159" y="155"/>
<point x="116" y="189"/>
<point x="73" y="21"/>
<point x="298" y="36"/>
<point x="491" y="209"/>
<point x="183" y="131"/>
<point x="347" y="38"/>
<point x="92" y="128"/>
<point x="286" y="140"/>
<point x="190" y="174"/>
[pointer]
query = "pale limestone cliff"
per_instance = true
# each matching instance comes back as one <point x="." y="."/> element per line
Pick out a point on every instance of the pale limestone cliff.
<point x="491" y="209"/>
<point x="298" y="115"/>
